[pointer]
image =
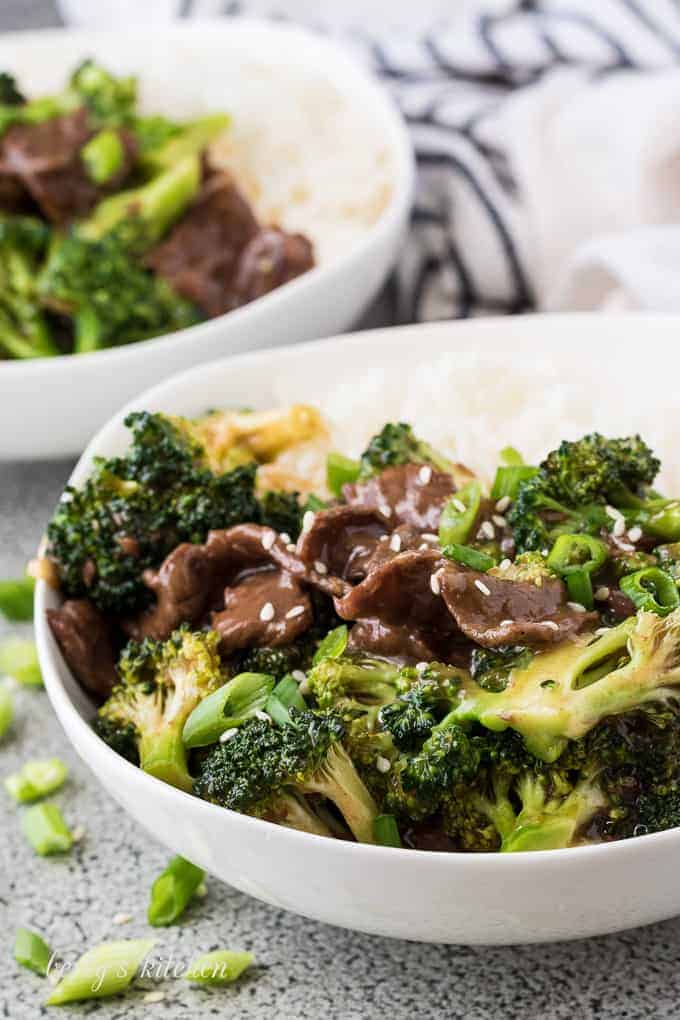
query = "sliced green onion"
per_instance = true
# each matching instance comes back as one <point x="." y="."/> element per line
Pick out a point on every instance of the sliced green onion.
<point x="232" y="704"/>
<point x="108" y="969"/>
<point x="30" y="950"/>
<point x="333" y="645"/>
<point x="652" y="590"/>
<point x="6" y="710"/>
<point x="340" y="470"/>
<point x="459" y="514"/>
<point x="285" y="695"/>
<point x="511" y="456"/>
<point x="36" y="779"/>
<point x="221" y="967"/>
<point x="469" y="557"/>
<point x="16" y="599"/>
<point x="580" y="588"/>
<point x="385" y="831"/>
<point x="46" y="830"/>
<point x="314" y="503"/>
<point x="661" y="520"/>
<point x="19" y="659"/>
<point x="508" y="480"/>
<point x="172" y="891"/>
<point x="103" y="156"/>
<point x="575" y="558"/>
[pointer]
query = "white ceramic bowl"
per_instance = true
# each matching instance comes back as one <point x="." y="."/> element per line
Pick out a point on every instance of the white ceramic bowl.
<point x="458" y="898"/>
<point x="51" y="406"/>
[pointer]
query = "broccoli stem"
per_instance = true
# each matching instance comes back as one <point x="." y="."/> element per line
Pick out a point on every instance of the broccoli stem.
<point x="338" y="780"/>
<point x="193" y="138"/>
<point x="103" y="156"/>
<point x="87" y="331"/>
<point x="162" y="755"/>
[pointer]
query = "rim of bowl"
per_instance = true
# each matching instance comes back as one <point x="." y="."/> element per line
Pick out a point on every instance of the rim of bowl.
<point x="47" y="648"/>
<point x="397" y="209"/>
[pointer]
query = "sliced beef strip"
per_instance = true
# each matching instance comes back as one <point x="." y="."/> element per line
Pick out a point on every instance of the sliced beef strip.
<point x="270" y="259"/>
<point x="406" y="644"/>
<point x="240" y="624"/>
<point x="494" y="612"/>
<point x="344" y="539"/>
<point x="191" y="581"/>
<point x="200" y="256"/>
<point x="45" y="159"/>
<point x="86" y="643"/>
<point x="402" y="491"/>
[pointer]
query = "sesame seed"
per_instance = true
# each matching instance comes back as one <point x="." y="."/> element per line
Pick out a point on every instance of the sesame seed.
<point x="626" y="547"/>
<point x="121" y="918"/>
<point x="382" y="764"/>
<point x="505" y="623"/>
<point x="395" y="543"/>
<point x="635" y="534"/>
<point x="383" y="538"/>
<point x="228" y="734"/>
<point x="545" y="552"/>
<point x="308" y="519"/>
<point x="551" y="624"/>
<point x="619" y="527"/>
<point x="267" y="612"/>
<point x="505" y="564"/>
<point x="485" y="590"/>
<point x="154" y="997"/>
<point x="291" y="547"/>
<point x="421" y="667"/>
<point x="295" y="611"/>
<point x="262" y="716"/>
<point x="78" y="833"/>
<point x="268" y="540"/>
<point x="576" y="607"/>
<point x="499" y="520"/>
<point x="503" y="504"/>
<point x="299" y="676"/>
<point x="602" y="630"/>
<point x="285" y="537"/>
<point x="435" y="586"/>
<point x="423" y="547"/>
<point x="320" y="567"/>
<point x="304" y="687"/>
<point x="385" y="510"/>
<point x="601" y="594"/>
<point x="612" y="512"/>
<point x="425" y="474"/>
<point x="430" y="536"/>
<point x="459" y="505"/>
<point x="486" y="530"/>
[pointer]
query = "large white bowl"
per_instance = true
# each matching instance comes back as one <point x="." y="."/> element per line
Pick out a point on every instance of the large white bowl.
<point x="458" y="898"/>
<point x="51" y="406"/>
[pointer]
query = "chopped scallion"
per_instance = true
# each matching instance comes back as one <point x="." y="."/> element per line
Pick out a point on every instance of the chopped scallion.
<point x="172" y="891"/>
<point x="340" y="470"/>
<point x="333" y="645"/>
<point x="30" y="950"/>
<point x="469" y="557"/>
<point x="19" y="659"/>
<point x="221" y="967"/>
<point x="238" y="700"/>
<point x="6" y="709"/>
<point x="16" y="599"/>
<point x="108" y="969"/>
<point x="385" y="831"/>
<point x="46" y="830"/>
<point x="36" y="779"/>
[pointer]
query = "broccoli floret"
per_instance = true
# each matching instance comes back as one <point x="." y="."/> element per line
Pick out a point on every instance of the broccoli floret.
<point x="161" y="684"/>
<point x="282" y="511"/>
<point x="276" y="662"/>
<point x="528" y="566"/>
<point x="412" y="716"/>
<point x="491" y="667"/>
<point x="573" y="484"/>
<point x="306" y="757"/>
<point x="121" y="738"/>
<point x="562" y="694"/>
<point x="397" y="444"/>
<point x="9" y="90"/>
<point x="355" y="686"/>
<point x="668" y="557"/>
<point x="110" y="297"/>
<point x="24" y="331"/>
<point x="136" y="509"/>
<point x="109" y="100"/>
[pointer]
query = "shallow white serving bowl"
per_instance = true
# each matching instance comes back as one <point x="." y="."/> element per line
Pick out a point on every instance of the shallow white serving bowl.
<point x="456" y="898"/>
<point x="51" y="406"/>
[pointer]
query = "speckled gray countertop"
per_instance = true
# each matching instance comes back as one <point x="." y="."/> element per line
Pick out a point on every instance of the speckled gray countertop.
<point x="307" y="970"/>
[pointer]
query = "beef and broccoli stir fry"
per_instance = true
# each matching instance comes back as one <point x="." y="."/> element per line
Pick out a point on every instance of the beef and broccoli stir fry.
<point x="409" y="657"/>
<point x="116" y="227"/>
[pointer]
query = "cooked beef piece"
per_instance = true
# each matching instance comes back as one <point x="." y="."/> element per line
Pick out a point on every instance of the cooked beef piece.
<point x="494" y="612"/>
<point x="429" y="835"/>
<point x="199" y="258"/>
<point x="343" y="538"/>
<point x="45" y="159"/>
<point x="85" y="640"/>
<point x="13" y="195"/>
<point x="191" y="581"/>
<point x="618" y="605"/>
<point x="401" y="491"/>
<point x="398" y="596"/>
<point x="270" y="259"/>
<point x="267" y="607"/>
<point x="405" y="538"/>
<point x="406" y="644"/>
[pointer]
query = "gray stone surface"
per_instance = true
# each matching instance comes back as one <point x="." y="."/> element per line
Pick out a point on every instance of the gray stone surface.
<point x="306" y="970"/>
